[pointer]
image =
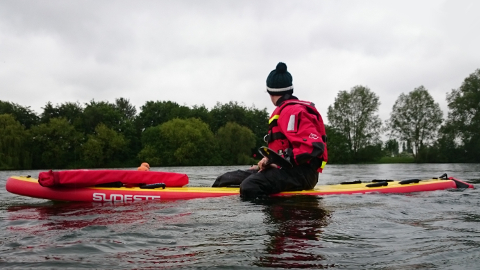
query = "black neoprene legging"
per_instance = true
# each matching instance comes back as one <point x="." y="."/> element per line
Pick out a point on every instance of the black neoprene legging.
<point x="269" y="181"/>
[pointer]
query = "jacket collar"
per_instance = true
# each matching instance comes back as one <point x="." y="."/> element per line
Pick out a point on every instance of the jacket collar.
<point x="285" y="98"/>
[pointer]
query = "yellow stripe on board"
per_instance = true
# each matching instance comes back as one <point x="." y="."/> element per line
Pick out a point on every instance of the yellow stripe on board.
<point x="325" y="189"/>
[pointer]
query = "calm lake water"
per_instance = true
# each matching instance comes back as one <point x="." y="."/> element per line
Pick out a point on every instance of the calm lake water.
<point x="428" y="230"/>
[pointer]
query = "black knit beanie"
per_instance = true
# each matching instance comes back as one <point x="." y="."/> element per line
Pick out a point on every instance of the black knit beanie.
<point x="279" y="81"/>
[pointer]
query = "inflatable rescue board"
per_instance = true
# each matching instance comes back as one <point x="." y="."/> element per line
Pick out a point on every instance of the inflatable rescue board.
<point x="27" y="186"/>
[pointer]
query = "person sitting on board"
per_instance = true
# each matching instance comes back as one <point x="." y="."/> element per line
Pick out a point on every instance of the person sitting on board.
<point x="296" y="132"/>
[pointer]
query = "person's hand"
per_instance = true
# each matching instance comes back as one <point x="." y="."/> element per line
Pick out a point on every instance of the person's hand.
<point x="263" y="164"/>
<point x="255" y="167"/>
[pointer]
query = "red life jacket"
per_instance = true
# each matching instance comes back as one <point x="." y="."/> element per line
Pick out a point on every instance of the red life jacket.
<point x="301" y="132"/>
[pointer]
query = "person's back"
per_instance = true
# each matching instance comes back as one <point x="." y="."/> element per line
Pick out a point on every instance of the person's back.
<point x="296" y="132"/>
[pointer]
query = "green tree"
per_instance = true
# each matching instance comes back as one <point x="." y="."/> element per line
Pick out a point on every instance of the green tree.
<point x="49" y="112"/>
<point x="230" y="112"/>
<point x="354" y="115"/>
<point x="55" y="144"/>
<point x="154" y="113"/>
<point x="337" y="146"/>
<point x="449" y="149"/>
<point x="13" y="144"/>
<point x="72" y="112"/>
<point x="104" y="148"/>
<point x="431" y="154"/>
<point x="152" y="145"/>
<point x="391" y="148"/>
<point x="415" y="118"/>
<point x="371" y="152"/>
<point x="127" y="127"/>
<point x="179" y="142"/>
<point x="235" y="142"/>
<point x="103" y="112"/>
<point x="127" y="110"/>
<point x="254" y="119"/>
<point x="24" y="115"/>
<point x="258" y="124"/>
<point x="462" y="127"/>
<point x="202" y="113"/>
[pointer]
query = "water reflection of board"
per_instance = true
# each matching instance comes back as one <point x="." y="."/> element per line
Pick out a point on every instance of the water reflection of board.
<point x="27" y="186"/>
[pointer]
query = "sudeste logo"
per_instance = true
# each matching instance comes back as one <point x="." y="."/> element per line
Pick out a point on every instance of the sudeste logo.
<point x="102" y="197"/>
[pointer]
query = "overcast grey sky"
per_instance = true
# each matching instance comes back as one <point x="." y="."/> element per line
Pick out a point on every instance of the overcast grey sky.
<point x="204" y="52"/>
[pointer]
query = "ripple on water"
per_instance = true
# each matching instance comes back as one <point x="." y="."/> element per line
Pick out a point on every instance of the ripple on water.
<point x="429" y="230"/>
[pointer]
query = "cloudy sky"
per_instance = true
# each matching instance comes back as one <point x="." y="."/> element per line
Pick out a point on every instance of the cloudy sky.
<point x="204" y="52"/>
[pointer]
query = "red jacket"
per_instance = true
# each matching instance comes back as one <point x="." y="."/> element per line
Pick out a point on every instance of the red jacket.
<point x="296" y="127"/>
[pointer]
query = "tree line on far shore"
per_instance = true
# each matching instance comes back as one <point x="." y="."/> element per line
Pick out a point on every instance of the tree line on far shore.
<point x="102" y="134"/>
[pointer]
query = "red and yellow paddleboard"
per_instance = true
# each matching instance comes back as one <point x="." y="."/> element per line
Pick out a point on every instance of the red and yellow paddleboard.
<point x="30" y="187"/>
